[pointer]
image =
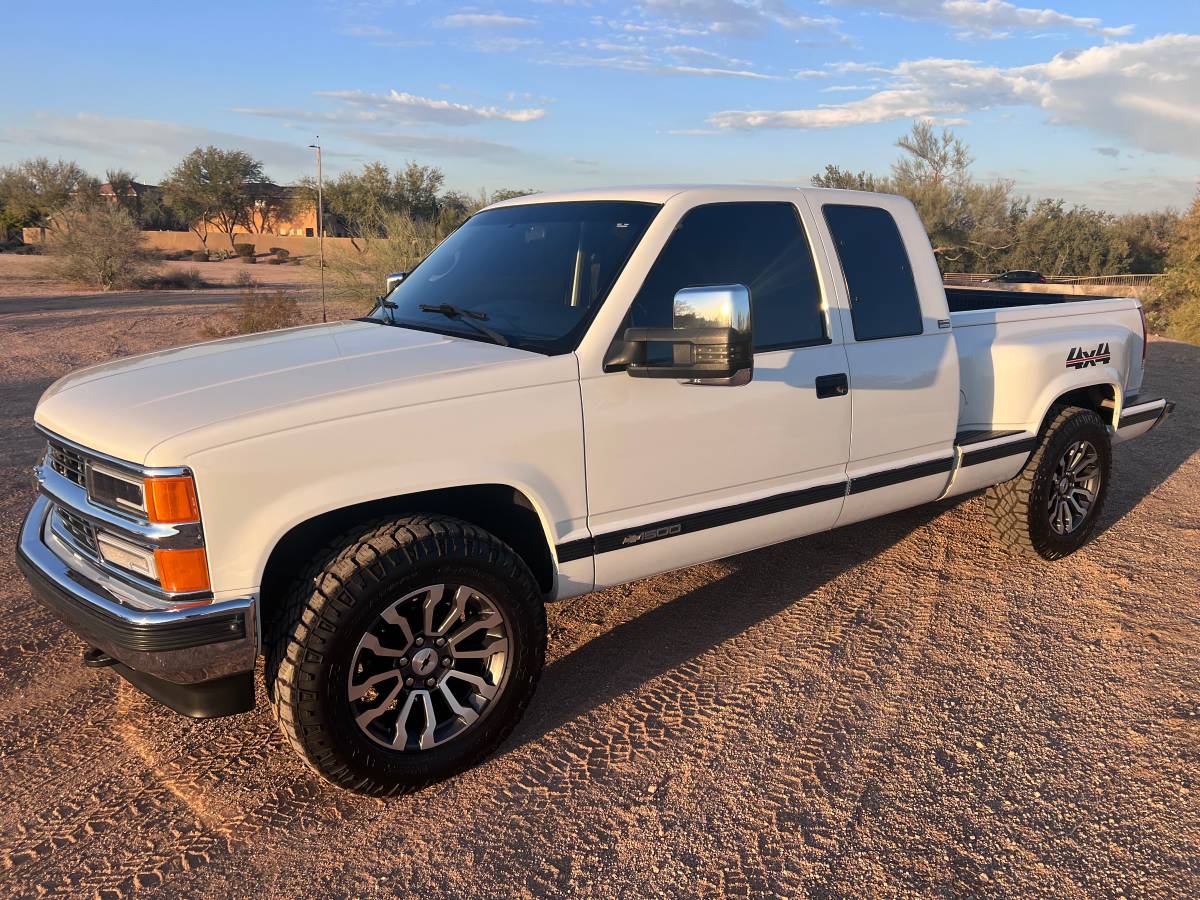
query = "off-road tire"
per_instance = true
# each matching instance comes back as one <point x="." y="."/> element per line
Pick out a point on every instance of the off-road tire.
<point x="1017" y="509"/>
<point x="333" y="603"/>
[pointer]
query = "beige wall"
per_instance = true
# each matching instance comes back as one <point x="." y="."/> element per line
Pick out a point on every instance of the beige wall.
<point x="187" y="240"/>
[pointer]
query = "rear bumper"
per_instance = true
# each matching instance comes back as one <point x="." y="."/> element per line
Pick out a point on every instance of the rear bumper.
<point x="1141" y="416"/>
<point x="198" y="661"/>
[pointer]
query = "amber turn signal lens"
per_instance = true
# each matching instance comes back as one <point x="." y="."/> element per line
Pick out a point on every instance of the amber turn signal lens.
<point x="182" y="571"/>
<point x="172" y="500"/>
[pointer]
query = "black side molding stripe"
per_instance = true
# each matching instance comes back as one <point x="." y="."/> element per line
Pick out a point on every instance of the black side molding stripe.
<point x="896" y="476"/>
<point x="963" y="438"/>
<point x="987" y="454"/>
<point x="1138" y="417"/>
<point x="740" y="512"/>
<point x="573" y="550"/>
<point x="714" y="518"/>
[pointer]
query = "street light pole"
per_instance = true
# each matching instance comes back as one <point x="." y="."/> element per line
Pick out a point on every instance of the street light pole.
<point x="320" y="221"/>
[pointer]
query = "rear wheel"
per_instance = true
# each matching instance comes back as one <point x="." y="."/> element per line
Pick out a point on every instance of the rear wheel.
<point x="1052" y="507"/>
<point x="406" y="654"/>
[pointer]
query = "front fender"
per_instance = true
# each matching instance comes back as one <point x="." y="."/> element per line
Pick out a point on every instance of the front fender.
<point x="254" y="491"/>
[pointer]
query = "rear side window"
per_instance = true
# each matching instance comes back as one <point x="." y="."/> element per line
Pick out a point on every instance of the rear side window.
<point x="883" y="294"/>
<point x="760" y="245"/>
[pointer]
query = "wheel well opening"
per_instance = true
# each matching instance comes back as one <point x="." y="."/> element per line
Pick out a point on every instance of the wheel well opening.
<point x="1100" y="398"/>
<point x="500" y="509"/>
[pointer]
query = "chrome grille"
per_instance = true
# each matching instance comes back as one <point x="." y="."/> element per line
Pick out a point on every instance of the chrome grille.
<point x="67" y="463"/>
<point x="81" y="532"/>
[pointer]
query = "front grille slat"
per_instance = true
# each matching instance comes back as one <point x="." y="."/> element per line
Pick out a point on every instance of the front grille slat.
<point x="67" y="463"/>
<point x="79" y="529"/>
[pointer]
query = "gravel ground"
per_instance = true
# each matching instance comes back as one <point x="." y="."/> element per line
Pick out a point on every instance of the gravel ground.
<point x="25" y="275"/>
<point x="892" y="709"/>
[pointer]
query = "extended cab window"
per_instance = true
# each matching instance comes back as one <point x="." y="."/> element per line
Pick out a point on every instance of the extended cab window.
<point x="760" y="245"/>
<point x="883" y="295"/>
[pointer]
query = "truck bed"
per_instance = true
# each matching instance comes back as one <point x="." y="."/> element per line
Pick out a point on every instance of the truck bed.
<point x="970" y="299"/>
<point x="1015" y="347"/>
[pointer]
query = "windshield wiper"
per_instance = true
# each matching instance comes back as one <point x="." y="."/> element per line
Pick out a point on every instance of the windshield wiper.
<point x="382" y="303"/>
<point x="467" y="317"/>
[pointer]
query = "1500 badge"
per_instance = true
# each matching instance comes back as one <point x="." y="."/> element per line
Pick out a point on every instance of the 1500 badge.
<point x="653" y="534"/>
<point x="1079" y="358"/>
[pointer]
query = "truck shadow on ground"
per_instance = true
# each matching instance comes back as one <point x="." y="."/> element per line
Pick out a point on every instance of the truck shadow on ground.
<point x="763" y="583"/>
<point x="1141" y="465"/>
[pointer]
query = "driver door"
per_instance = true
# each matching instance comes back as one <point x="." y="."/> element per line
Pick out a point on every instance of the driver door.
<point x="681" y="473"/>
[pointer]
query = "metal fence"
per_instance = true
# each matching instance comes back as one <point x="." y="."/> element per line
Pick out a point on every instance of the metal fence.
<point x="1100" y="280"/>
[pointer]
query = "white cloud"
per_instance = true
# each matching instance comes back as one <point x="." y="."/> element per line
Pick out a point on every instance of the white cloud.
<point x="1116" y="89"/>
<point x="731" y="16"/>
<point x="439" y="145"/>
<point x="989" y="18"/>
<point x="637" y="53"/>
<point x="400" y="106"/>
<point x="483" y="20"/>
<point x="146" y="145"/>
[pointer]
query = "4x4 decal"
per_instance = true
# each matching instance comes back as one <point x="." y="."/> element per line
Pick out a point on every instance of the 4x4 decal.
<point x="1079" y="358"/>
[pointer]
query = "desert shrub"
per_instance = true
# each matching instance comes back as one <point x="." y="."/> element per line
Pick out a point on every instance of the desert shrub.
<point x="280" y="252"/>
<point x="200" y="256"/>
<point x="219" y="255"/>
<point x="99" y="246"/>
<point x="243" y="249"/>
<point x="257" y="310"/>
<point x="185" y="280"/>
<point x="248" y="259"/>
<point x="400" y="242"/>
<point x="275" y="260"/>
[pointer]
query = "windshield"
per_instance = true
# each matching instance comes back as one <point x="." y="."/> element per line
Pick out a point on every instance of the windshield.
<point x="534" y="273"/>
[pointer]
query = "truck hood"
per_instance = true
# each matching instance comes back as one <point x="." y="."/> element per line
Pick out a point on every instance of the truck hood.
<point x="265" y="382"/>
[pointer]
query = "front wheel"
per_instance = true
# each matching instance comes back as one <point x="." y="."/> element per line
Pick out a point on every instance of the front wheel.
<point x="1052" y="507"/>
<point x="407" y="653"/>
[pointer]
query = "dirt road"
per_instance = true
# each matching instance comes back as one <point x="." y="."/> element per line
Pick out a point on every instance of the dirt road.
<point x="895" y="708"/>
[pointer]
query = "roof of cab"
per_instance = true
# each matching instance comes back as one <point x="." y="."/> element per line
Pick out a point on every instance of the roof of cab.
<point x="661" y="193"/>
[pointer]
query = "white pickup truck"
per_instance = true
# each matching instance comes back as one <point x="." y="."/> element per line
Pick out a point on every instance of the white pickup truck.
<point x="572" y="391"/>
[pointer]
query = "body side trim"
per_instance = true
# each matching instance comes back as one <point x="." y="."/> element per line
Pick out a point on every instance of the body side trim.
<point x="740" y="512"/>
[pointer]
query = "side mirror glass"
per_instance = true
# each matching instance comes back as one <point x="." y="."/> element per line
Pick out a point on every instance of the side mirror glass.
<point x="712" y="338"/>
<point x="393" y="281"/>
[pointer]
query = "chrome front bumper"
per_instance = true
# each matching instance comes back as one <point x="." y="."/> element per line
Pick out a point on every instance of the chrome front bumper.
<point x="199" y="660"/>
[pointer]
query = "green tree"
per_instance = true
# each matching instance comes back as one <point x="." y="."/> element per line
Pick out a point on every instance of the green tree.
<point x="365" y="202"/>
<point x="1174" y="307"/>
<point x="1055" y="240"/>
<point x="123" y="184"/>
<point x="34" y="191"/>
<point x="359" y="201"/>
<point x="844" y="179"/>
<point x="214" y="186"/>
<point x="417" y="189"/>
<point x="1149" y="237"/>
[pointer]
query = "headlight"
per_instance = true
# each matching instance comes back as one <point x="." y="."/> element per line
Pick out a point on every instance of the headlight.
<point x="116" y="489"/>
<point x="169" y="500"/>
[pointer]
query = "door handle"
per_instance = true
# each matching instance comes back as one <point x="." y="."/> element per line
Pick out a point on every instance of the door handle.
<point x="832" y="385"/>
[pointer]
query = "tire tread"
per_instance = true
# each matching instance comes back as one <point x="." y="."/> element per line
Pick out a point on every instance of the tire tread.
<point x="328" y="590"/>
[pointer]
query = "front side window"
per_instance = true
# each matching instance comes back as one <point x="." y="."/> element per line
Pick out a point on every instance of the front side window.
<point x="883" y="294"/>
<point x="532" y="274"/>
<point x="759" y="245"/>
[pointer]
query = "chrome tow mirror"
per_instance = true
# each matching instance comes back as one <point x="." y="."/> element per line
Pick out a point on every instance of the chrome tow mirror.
<point x="711" y="338"/>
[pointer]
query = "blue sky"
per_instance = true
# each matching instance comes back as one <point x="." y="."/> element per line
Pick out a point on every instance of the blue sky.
<point x="1097" y="102"/>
